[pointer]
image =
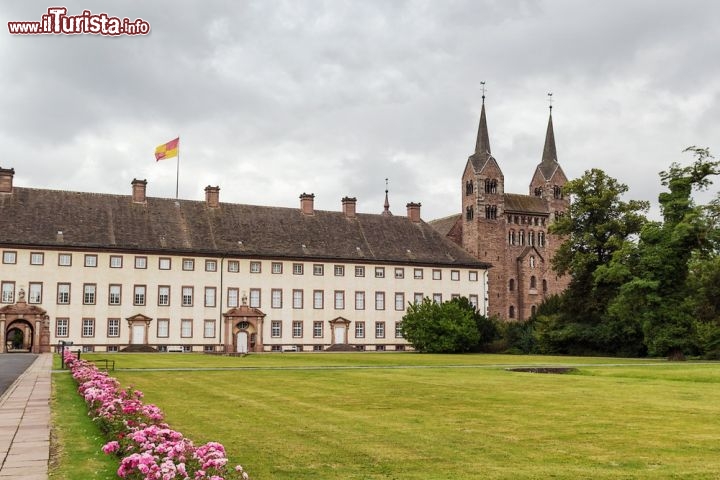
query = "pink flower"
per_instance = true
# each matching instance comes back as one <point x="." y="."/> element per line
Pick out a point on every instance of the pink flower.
<point x="111" y="447"/>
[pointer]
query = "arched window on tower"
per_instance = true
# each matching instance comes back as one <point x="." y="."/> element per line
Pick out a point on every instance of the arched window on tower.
<point x="469" y="187"/>
<point x="469" y="214"/>
<point x="538" y="191"/>
<point x="557" y="192"/>
<point x="531" y="238"/>
<point x="511" y="311"/>
<point x="511" y="237"/>
<point x="491" y="212"/>
<point x="533" y="282"/>
<point x="544" y="283"/>
<point x="532" y="310"/>
<point x="532" y="261"/>
<point x="541" y="239"/>
<point x="490" y="185"/>
<point x="522" y="237"/>
<point x="511" y="285"/>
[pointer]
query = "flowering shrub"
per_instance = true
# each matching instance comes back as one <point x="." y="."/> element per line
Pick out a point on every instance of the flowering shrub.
<point x="148" y="448"/>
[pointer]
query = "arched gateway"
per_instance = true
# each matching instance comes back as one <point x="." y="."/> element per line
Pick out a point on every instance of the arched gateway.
<point x="24" y="328"/>
<point x="243" y="329"/>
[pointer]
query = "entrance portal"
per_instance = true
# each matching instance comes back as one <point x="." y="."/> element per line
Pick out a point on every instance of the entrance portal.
<point x="138" y="334"/>
<point x="19" y="337"/>
<point x="339" y="334"/>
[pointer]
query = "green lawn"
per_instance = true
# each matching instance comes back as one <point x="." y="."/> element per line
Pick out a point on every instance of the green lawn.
<point x="647" y="419"/>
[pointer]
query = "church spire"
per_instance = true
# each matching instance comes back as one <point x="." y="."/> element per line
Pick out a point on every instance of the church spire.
<point x="386" y="210"/>
<point x="549" y="152"/>
<point x="482" y="145"/>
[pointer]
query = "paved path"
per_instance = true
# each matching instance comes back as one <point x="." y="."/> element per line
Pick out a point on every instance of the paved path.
<point x="12" y="366"/>
<point x="25" y="423"/>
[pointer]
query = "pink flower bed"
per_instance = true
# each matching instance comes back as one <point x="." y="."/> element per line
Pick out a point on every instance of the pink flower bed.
<point x="148" y="448"/>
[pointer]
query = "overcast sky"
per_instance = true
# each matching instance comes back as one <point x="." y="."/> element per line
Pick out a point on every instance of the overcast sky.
<point x="275" y="98"/>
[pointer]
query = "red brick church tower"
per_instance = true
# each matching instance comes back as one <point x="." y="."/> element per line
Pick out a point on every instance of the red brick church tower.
<point x="509" y="230"/>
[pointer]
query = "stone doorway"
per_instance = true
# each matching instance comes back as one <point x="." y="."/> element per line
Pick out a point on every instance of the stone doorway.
<point x="243" y="329"/>
<point x="24" y="328"/>
<point x="19" y="337"/>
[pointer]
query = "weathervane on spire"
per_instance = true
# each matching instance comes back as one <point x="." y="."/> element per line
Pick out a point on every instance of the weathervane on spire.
<point x="550" y="99"/>
<point x="386" y="210"/>
<point x="482" y="89"/>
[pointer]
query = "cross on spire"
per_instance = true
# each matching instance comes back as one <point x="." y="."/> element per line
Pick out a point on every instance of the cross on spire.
<point x="483" y="90"/>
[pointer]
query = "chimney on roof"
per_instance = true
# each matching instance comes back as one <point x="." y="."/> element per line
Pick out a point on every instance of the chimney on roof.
<point x="138" y="190"/>
<point x="212" y="196"/>
<point x="6" y="179"/>
<point x="306" y="203"/>
<point x="413" y="211"/>
<point x="348" y="205"/>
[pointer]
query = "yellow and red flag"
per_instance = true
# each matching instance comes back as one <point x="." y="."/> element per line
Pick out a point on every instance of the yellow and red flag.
<point x="167" y="150"/>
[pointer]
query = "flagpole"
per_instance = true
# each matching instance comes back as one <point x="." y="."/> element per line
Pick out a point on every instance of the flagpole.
<point x="177" y="177"/>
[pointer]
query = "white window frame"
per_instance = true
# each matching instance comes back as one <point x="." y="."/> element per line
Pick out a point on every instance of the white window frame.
<point x="35" y="292"/>
<point x="164" y="295"/>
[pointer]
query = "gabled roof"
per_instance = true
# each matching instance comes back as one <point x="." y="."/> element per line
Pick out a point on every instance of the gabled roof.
<point x="33" y="217"/>
<point x="445" y="224"/>
<point x="517" y="203"/>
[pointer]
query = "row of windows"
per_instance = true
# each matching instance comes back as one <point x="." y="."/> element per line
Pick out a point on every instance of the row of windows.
<point x="188" y="264"/>
<point x="533" y="284"/>
<point x="88" y="328"/>
<point x="139" y="296"/>
<point x="491" y="186"/>
<point x="557" y="192"/>
<point x="511" y="311"/>
<point x="526" y="220"/>
<point x="318" y="329"/>
<point x="519" y="238"/>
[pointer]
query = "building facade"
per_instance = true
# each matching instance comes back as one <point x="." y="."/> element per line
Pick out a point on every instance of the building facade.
<point x="108" y="272"/>
<point x="508" y="230"/>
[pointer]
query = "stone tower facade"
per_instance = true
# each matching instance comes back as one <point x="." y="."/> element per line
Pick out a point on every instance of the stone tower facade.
<point x="510" y="231"/>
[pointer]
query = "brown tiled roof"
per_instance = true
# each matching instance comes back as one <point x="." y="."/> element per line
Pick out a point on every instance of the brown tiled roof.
<point x="524" y="204"/>
<point x="33" y="217"/>
<point x="445" y="224"/>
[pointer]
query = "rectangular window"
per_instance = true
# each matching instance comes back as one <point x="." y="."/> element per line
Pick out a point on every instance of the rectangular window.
<point x="379" y="272"/>
<point x="61" y="327"/>
<point x="277" y="267"/>
<point x="473" y="276"/>
<point x="398" y="330"/>
<point x="297" y="329"/>
<point x="139" y="295"/>
<point x="256" y="267"/>
<point x="297" y="298"/>
<point x="141" y="262"/>
<point x="276" y="298"/>
<point x="63" y="293"/>
<point x="399" y="301"/>
<point x="379" y="329"/>
<point x="91" y="260"/>
<point x="209" y="328"/>
<point x="88" y="327"/>
<point x="359" y="271"/>
<point x="210" y="296"/>
<point x="437" y="297"/>
<point x="113" y="327"/>
<point x="454" y="296"/>
<point x="437" y="274"/>
<point x="8" y="292"/>
<point x="418" y="297"/>
<point x="114" y="292"/>
<point x="65" y="259"/>
<point x="339" y="299"/>
<point x="359" y="300"/>
<point x="187" y="296"/>
<point x="163" y="327"/>
<point x="37" y="258"/>
<point x="255" y="298"/>
<point x="399" y="273"/>
<point x="188" y="264"/>
<point x="211" y="265"/>
<point x="473" y="300"/>
<point x="233" y="266"/>
<point x="89" y="290"/>
<point x="418" y="273"/>
<point x="339" y="270"/>
<point x="9" y="257"/>
<point x="276" y="329"/>
<point x="379" y="300"/>
<point x="317" y="329"/>
<point x="359" y="329"/>
<point x="116" y="261"/>
<point x="35" y="292"/>
<point x="455" y="275"/>
<point x="164" y="295"/>
<point x="318" y="299"/>
<point x="297" y="268"/>
<point x="318" y="269"/>
<point x="233" y="297"/>
<point x="186" y="328"/>
<point x="164" y="263"/>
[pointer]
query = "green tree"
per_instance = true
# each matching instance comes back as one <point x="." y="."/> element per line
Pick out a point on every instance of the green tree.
<point x="658" y="293"/>
<point x="448" y="327"/>
<point x="598" y="224"/>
